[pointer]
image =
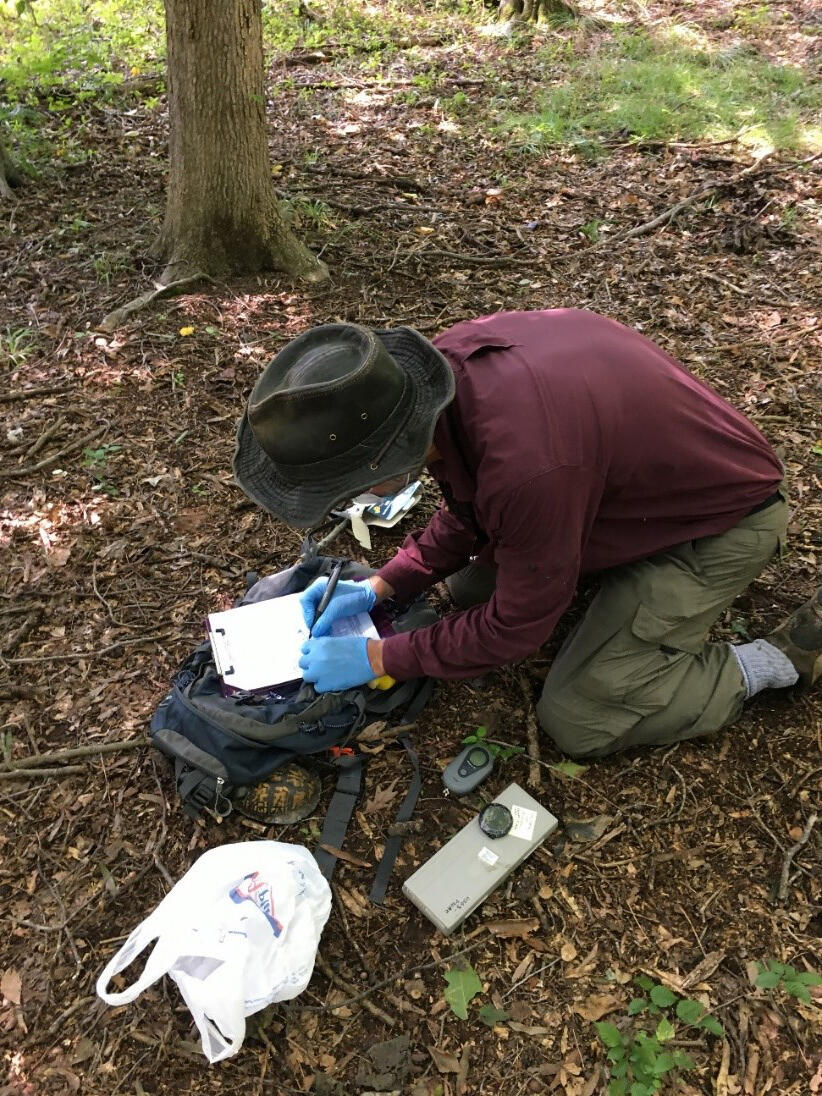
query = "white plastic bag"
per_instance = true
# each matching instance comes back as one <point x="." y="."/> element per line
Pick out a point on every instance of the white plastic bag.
<point x="239" y="931"/>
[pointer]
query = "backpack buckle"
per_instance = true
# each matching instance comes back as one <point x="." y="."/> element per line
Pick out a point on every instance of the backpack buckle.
<point x="336" y="752"/>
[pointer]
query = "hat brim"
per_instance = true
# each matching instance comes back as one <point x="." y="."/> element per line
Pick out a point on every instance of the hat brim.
<point x="305" y="504"/>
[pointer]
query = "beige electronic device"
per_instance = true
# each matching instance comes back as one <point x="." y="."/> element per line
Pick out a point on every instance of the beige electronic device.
<point x="458" y="878"/>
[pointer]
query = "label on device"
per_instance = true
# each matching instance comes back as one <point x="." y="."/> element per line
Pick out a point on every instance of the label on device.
<point x="524" y="822"/>
<point x="487" y="857"/>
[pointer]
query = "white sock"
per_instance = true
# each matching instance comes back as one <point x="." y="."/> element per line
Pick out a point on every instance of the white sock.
<point x="764" y="666"/>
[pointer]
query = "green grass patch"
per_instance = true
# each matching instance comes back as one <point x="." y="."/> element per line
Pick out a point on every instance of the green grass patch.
<point x="674" y="87"/>
<point x="83" y="45"/>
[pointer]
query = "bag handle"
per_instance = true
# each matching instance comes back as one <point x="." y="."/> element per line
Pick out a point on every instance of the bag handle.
<point x="157" y="964"/>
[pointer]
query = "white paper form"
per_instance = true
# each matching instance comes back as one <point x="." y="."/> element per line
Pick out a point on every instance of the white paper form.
<point x="259" y="646"/>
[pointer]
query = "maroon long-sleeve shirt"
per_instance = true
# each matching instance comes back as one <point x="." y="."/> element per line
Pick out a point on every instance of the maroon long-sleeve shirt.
<point x="573" y="444"/>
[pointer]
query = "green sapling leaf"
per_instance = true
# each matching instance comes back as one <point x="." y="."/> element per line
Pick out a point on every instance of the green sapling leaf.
<point x="463" y="986"/>
<point x="665" y="1030"/>
<point x="491" y="1015"/>
<point x="609" y="1033"/>
<point x="663" y="997"/>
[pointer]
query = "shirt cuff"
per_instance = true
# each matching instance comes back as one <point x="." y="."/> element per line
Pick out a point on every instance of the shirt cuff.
<point x="398" y="658"/>
<point x="405" y="582"/>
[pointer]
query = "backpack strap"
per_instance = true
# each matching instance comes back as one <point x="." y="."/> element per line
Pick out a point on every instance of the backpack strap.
<point x="394" y="842"/>
<point x="340" y="809"/>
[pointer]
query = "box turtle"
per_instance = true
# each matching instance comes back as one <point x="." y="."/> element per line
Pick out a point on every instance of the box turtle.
<point x="289" y="795"/>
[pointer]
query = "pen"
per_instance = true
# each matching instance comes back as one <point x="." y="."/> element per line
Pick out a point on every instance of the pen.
<point x="328" y="593"/>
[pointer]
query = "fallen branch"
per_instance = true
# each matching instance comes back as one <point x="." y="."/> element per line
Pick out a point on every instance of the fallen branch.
<point x="47" y="435"/>
<point x="791" y="853"/>
<point x="397" y="975"/>
<point x="76" y="751"/>
<point x="483" y="260"/>
<point x="76" y="655"/>
<point x="18" y="473"/>
<point x="669" y="214"/>
<point x="27" y="774"/>
<point x="113" y="320"/>
<point x="30" y="393"/>
<point x="532" y="731"/>
<point x="22" y="631"/>
<point x="336" y="980"/>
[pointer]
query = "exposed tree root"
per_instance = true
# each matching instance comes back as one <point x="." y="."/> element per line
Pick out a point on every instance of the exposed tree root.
<point x="114" y="319"/>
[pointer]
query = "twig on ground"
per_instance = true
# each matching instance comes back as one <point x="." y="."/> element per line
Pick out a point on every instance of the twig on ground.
<point x="336" y="980"/>
<point x="483" y="260"/>
<point x="18" y="473"/>
<point x="45" y="436"/>
<point x="112" y="321"/>
<point x="385" y="981"/>
<point x="75" y="751"/>
<point x="672" y="211"/>
<point x="30" y="393"/>
<point x="22" y="632"/>
<point x="534" y="775"/>
<point x="77" y="655"/>
<point x="26" y="774"/>
<point x="784" y="879"/>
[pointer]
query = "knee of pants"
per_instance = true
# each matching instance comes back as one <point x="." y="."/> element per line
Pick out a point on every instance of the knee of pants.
<point x="577" y="737"/>
<point x="473" y="585"/>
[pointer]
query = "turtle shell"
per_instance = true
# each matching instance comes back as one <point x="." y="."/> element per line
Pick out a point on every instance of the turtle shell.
<point x="289" y="795"/>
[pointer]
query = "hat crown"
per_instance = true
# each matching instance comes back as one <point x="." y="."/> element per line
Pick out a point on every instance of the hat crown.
<point x="324" y="394"/>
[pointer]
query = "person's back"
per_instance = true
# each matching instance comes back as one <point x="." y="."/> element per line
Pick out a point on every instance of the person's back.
<point x="666" y="457"/>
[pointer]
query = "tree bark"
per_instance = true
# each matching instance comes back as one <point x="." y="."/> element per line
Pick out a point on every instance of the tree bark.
<point x="9" y="175"/>
<point x="533" y="10"/>
<point x="221" y="213"/>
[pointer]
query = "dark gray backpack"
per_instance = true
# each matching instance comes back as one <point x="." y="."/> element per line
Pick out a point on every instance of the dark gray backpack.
<point x="222" y="745"/>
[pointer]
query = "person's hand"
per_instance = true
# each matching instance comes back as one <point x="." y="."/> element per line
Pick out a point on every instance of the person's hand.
<point x="332" y="663"/>
<point x="348" y="599"/>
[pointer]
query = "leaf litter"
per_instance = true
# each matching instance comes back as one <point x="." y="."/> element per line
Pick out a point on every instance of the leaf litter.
<point x="150" y="534"/>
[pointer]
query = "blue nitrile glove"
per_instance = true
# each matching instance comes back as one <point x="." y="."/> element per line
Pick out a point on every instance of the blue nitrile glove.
<point x="333" y="663"/>
<point x="348" y="599"/>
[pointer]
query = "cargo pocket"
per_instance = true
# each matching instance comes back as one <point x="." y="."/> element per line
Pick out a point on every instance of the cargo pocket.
<point x="669" y="648"/>
<point x="665" y="632"/>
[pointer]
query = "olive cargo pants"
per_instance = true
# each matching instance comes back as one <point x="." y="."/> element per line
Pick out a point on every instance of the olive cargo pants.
<point x="638" y="669"/>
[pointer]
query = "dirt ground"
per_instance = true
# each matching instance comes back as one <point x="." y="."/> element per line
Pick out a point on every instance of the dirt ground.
<point x="122" y="528"/>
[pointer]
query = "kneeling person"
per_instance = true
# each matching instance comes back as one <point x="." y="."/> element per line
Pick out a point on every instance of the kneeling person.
<point x="564" y="444"/>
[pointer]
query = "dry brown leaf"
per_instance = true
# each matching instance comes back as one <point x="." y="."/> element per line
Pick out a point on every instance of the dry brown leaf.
<point x="521" y="926"/>
<point x="444" y="1060"/>
<point x="721" y="1086"/>
<point x="523" y="967"/>
<point x="353" y="902"/>
<point x="524" y="1029"/>
<point x="815" y="1083"/>
<point x="348" y="857"/>
<point x="597" y="1005"/>
<point x="381" y="798"/>
<point x="11" y="986"/>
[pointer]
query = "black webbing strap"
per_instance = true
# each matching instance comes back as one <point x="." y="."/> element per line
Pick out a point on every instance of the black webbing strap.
<point x="394" y="842"/>
<point x="340" y="809"/>
<point x="344" y="799"/>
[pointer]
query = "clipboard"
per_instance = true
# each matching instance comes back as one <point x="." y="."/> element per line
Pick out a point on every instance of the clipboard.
<point x="257" y="647"/>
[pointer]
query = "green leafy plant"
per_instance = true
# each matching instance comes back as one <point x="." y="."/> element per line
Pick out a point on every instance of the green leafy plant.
<point x="463" y="986"/>
<point x="491" y="1015"/>
<point x="502" y="751"/>
<point x="773" y="975"/>
<point x="640" y="1059"/>
<point x="15" y="345"/>
<point x="95" y="458"/>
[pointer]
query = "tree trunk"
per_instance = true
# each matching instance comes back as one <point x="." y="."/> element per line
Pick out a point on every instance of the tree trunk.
<point x="533" y="10"/>
<point x="221" y="213"/>
<point x="9" y="175"/>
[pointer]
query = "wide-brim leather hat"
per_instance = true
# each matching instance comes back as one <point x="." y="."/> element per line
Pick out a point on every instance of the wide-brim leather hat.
<point x="338" y="410"/>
